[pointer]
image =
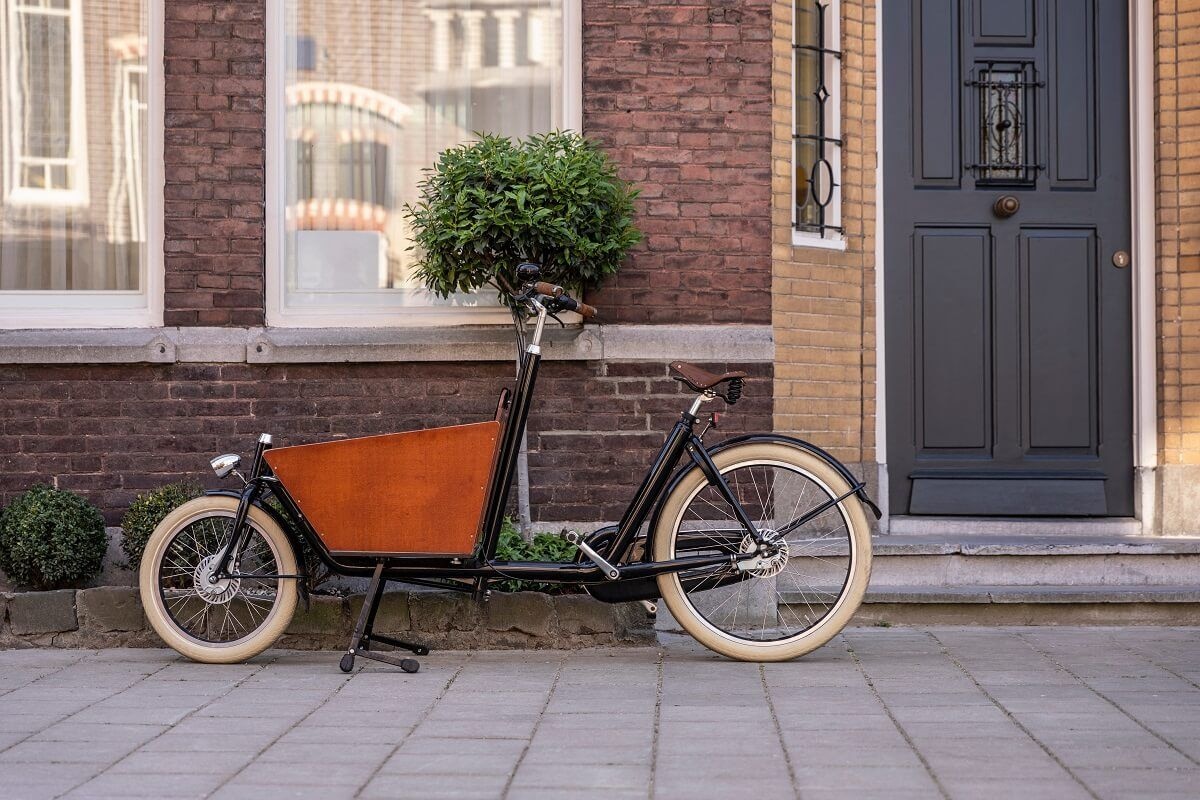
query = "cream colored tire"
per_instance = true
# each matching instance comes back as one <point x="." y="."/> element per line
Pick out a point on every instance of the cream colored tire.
<point x="256" y="640"/>
<point x="858" y="572"/>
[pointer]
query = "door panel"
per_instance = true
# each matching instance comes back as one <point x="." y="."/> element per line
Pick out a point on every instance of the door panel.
<point x="953" y="275"/>
<point x="1007" y="325"/>
<point x="1059" y="302"/>
<point x="936" y="60"/>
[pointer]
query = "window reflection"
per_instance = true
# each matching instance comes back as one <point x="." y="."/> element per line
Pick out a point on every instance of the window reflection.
<point x="375" y="90"/>
<point x="73" y="95"/>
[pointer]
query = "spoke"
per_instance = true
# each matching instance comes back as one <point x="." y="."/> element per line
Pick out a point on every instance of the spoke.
<point x="808" y="544"/>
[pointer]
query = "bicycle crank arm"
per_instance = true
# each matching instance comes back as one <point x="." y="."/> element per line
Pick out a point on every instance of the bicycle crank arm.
<point x="610" y="572"/>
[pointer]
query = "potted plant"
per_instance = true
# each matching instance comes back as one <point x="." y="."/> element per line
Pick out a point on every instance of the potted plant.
<point x="554" y="199"/>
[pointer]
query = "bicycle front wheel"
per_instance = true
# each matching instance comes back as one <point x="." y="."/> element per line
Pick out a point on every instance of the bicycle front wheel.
<point x="787" y="603"/>
<point x="224" y="621"/>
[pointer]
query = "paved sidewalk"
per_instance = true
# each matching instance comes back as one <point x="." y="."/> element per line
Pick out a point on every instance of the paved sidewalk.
<point x="891" y="713"/>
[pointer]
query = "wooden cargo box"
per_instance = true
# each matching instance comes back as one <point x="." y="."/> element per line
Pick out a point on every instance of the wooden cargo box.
<point x="414" y="493"/>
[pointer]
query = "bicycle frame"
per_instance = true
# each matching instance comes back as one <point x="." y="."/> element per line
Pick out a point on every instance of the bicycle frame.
<point x="426" y="570"/>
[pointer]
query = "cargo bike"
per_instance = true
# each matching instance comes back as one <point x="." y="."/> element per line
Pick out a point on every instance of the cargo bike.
<point x="758" y="545"/>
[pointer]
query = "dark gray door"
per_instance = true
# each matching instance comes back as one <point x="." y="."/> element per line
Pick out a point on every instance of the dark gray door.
<point x="1006" y="189"/>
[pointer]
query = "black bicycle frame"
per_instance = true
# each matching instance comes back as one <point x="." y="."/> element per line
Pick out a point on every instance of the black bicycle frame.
<point x="433" y="570"/>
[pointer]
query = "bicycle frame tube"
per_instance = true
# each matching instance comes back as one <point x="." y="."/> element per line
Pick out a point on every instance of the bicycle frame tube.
<point x="510" y="446"/>
<point x="681" y="440"/>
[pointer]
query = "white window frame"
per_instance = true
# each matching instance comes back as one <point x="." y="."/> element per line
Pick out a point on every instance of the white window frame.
<point x="14" y="157"/>
<point x="830" y="240"/>
<point x="142" y="308"/>
<point x="278" y="314"/>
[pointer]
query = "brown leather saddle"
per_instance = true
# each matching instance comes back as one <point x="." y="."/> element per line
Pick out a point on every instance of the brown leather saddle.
<point x="699" y="379"/>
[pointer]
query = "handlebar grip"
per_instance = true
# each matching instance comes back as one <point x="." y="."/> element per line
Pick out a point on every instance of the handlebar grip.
<point x="541" y="287"/>
<point x="580" y="308"/>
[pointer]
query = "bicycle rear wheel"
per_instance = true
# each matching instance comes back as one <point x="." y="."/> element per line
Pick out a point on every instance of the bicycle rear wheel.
<point x="787" y="604"/>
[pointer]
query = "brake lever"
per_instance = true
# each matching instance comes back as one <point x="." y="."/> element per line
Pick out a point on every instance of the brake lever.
<point x="554" y="317"/>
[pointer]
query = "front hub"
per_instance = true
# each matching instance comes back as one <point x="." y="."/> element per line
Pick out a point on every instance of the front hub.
<point x="214" y="592"/>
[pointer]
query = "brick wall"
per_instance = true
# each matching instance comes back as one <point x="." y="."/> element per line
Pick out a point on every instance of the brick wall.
<point x="824" y="300"/>
<point x="110" y="432"/>
<point x="214" y="162"/>
<point x="1178" y="197"/>
<point x="679" y="93"/>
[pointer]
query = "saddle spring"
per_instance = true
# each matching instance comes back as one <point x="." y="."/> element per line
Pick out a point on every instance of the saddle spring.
<point x="733" y="392"/>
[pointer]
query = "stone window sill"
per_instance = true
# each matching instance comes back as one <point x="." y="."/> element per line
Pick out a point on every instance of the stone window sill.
<point x="741" y="343"/>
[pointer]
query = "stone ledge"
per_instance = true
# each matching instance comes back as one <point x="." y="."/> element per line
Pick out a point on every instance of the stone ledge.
<point x="735" y="343"/>
<point x="111" y="616"/>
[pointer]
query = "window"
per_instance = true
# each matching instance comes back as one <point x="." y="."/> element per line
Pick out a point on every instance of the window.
<point x="816" y="123"/>
<point x="75" y="100"/>
<point x="355" y="121"/>
<point x="44" y="99"/>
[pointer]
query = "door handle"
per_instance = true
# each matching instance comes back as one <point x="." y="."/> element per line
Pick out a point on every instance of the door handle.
<point x="1005" y="206"/>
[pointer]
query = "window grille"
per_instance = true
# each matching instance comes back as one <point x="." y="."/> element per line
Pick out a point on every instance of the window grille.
<point x="1004" y="105"/>
<point x="815" y="148"/>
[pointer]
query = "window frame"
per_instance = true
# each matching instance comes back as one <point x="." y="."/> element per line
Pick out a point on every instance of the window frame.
<point x="89" y="308"/>
<point x="277" y="312"/>
<point x="833" y="237"/>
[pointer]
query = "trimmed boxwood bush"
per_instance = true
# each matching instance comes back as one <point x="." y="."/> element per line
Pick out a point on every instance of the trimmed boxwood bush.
<point x="146" y="512"/>
<point x="554" y="198"/>
<point x="51" y="539"/>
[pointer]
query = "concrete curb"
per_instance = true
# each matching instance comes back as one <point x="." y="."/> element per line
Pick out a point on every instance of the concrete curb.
<point x="112" y="616"/>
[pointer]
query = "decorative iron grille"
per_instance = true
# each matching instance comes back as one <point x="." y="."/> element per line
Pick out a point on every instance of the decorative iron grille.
<point x="1005" y="104"/>
<point x="813" y="149"/>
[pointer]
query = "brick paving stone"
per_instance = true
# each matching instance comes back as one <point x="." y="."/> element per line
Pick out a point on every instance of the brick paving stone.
<point x="892" y="713"/>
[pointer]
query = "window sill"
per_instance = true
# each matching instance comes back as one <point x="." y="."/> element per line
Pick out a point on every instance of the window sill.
<point x="737" y="343"/>
<point x="802" y="239"/>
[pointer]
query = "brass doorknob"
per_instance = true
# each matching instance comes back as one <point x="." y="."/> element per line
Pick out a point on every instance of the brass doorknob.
<point x="1005" y="206"/>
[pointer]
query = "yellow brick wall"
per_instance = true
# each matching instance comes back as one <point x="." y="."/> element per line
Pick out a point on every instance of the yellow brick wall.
<point x="1177" y="107"/>
<point x="824" y="300"/>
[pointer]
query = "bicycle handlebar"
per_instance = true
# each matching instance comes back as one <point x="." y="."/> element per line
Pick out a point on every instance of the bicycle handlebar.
<point x="549" y="289"/>
<point x="580" y="308"/>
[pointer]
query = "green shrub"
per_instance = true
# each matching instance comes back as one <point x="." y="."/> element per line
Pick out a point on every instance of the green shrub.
<point x="51" y="539"/>
<point x="544" y="547"/>
<point x="553" y="198"/>
<point x="146" y="512"/>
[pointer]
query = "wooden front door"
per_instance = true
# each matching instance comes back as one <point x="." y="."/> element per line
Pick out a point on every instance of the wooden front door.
<point x="1006" y="257"/>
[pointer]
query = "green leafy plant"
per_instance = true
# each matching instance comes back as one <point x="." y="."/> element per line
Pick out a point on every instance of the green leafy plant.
<point x="146" y="512"/>
<point x="543" y="547"/>
<point x="51" y="539"/>
<point x="488" y="205"/>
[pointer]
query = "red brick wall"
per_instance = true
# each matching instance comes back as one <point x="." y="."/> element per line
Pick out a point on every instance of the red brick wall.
<point x="111" y="432"/>
<point x="680" y="95"/>
<point x="214" y="162"/>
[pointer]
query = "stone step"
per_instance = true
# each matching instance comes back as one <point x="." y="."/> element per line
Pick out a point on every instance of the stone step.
<point x="1079" y="604"/>
<point x="979" y="595"/>
<point x="917" y="561"/>
<point x="1014" y="526"/>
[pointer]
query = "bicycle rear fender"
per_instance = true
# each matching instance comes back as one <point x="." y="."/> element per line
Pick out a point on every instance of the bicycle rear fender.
<point x="842" y="469"/>
<point x="756" y="438"/>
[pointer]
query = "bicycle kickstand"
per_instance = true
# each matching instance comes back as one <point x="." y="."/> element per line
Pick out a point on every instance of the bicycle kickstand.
<point x="360" y="641"/>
